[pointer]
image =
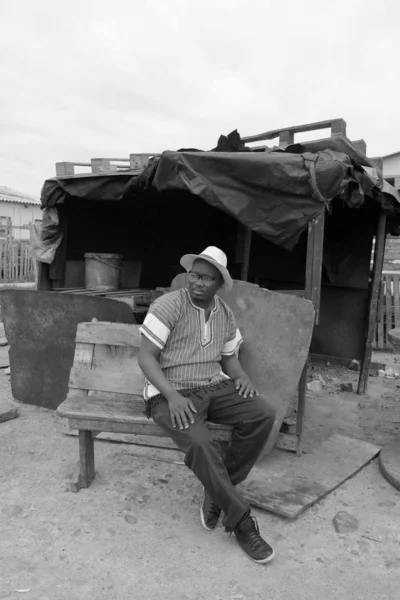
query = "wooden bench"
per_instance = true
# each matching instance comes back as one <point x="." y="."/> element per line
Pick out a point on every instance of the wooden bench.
<point x="105" y="391"/>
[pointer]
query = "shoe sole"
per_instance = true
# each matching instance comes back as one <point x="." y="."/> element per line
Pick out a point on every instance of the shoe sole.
<point x="203" y="521"/>
<point x="264" y="561"/>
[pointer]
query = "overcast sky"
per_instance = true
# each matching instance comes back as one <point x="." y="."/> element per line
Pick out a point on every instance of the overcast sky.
<point x="95" y="78"/>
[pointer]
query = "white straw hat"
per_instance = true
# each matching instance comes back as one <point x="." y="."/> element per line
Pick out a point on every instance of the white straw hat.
<point x="215" y="257"/>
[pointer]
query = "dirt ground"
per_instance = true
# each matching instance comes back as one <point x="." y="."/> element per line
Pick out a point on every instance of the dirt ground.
<point x="136" y="533"/>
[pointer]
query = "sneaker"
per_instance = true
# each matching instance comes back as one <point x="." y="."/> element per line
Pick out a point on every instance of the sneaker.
<point x="209" y="513"/>
<point x="249" y="539"/>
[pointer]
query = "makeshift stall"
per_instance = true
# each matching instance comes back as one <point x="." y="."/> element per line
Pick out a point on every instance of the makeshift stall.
<point x="299" y="219"/>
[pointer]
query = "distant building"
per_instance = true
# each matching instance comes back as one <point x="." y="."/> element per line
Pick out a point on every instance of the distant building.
<point x="391" y="167"/>
<point x="21" y="209"/>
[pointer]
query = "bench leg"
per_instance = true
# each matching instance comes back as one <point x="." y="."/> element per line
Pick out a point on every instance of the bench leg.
<point x="86" y="458"/>
<point x="84" y="473"/>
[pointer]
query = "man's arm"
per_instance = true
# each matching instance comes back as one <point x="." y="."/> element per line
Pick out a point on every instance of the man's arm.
<point x="181" y="409"/>
<point x="232" y="367"/>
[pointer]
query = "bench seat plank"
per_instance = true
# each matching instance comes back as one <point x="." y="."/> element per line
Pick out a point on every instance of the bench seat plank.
<point x="143" y="426"/>
<point x="119" y="416"/>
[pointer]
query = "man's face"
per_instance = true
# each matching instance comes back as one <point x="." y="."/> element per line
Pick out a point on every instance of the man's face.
<point x="203" y="291"/>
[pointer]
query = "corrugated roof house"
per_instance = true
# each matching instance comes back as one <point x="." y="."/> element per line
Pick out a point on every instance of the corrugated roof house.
<point x="21" y="208"/>
<point x="7" y="194"/>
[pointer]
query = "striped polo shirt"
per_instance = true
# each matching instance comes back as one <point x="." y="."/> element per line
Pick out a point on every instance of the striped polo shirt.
<point x="191" y="347"/>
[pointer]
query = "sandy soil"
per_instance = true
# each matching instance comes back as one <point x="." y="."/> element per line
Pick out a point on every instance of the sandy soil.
<point x="135" y="533"/>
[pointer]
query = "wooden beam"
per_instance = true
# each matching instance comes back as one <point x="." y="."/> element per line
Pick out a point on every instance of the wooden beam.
<point x="315" y="246"/>
<point x="301" y="409"/>
<point x="286" y="137"/>
<point x="68" y="168"/>
<point x="141" y="160"/>
<point x="246" y="254"/>
<point x="374" y="301"/>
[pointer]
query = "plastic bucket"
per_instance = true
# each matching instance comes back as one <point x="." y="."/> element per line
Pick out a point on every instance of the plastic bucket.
<point x="102" y="271"/>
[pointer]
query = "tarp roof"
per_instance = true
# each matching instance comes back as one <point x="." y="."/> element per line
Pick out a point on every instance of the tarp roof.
<point x="275" y="194"/>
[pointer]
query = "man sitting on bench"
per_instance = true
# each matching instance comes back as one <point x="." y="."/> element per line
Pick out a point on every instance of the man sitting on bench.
<point x="188" y="354"/>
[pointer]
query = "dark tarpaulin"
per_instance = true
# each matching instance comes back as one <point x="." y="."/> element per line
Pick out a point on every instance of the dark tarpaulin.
<point x="275" y="194"/>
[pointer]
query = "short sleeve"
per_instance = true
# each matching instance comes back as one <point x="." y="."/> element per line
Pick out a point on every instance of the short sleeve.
<point x="234" y="338"/>
<point x="161" y="318"/>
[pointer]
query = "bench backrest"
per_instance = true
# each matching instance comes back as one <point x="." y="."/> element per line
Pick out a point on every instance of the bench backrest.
<point x="106" y="361"/>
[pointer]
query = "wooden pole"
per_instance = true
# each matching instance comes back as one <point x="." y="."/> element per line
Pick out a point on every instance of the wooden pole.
<point x="374" y="301"/>
<point x="246" y="254"/>
<point x="315" y="246"/>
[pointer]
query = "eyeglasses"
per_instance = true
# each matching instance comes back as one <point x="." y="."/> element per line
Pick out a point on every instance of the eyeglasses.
<point x="205" y="279"/>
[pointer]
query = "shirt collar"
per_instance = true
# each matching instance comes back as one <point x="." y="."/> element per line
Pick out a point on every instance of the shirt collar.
<point x="214" y="309"/>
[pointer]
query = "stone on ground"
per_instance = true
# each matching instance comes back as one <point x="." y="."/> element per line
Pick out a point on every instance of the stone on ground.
<point x="354" y="365"/>
<point x="8" y="411"/>
<point x="344" y="522"/>
<point x="315" y="386"/>
<point x="346" y="387"/>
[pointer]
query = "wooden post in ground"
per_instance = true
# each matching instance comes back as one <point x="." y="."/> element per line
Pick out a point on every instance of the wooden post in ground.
<point x="246" y="254"/>
<point x="315" y="246"/>
<point x="243" y="246"/>
<point x="374" y="301"/>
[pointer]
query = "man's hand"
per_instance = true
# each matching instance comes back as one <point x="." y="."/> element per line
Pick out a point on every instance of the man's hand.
<point x="181" y="410"/>
<point x="245" y="387"/>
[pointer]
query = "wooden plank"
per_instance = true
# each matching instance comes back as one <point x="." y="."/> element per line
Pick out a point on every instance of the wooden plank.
<point x="11" y="265"/>
<point x="396" y="307"/>
<point x="97" y="407"/>
<point x="21" y="261"/>
<point x="314" y="261"/>
<point x="113" y="334"/>
<point x="283" y="442"/>
<point x="389" y="311"/>
<point x="28" y="263"/>
<point x="106" y="381"/>
<point x="286" y="137"/>
<point x="5" y="259"/>
<point x="141" y="426"/>
<point x="286" y="485"/>
<point x="389" y="462"/>
<point x="335" y="125"/>
<point x="374" y="299"/>
<point x="116" y="358"/>
<point x="83" y="356"/>
<point x="380" y="319"/>
<point x="16" y="252"/>
<point x="1" y="261"/>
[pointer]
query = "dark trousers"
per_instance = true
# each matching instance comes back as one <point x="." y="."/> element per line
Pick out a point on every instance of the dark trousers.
<point x="252" y="419"/>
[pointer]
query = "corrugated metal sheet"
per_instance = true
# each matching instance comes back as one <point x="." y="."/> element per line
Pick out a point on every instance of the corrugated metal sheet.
<point x="9" y="195"/>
